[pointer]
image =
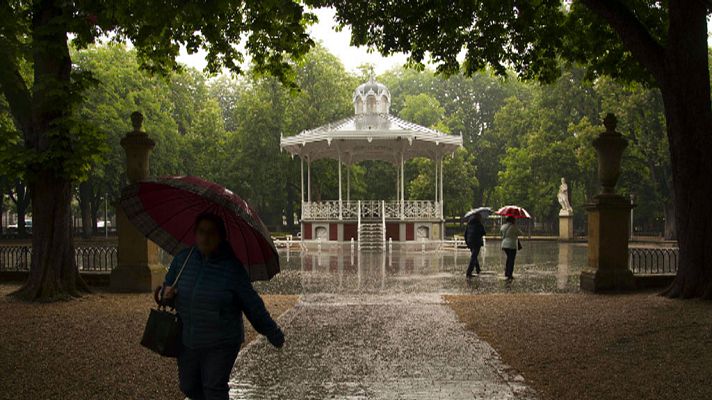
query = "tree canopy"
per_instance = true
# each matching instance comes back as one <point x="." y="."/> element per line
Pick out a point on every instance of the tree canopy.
<point x="662" y="44"/>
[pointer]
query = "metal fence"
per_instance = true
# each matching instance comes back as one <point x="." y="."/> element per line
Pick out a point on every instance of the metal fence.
<point x="96" y="258"/>
<point x="653" y="261"/>
<point x="88" y="258"/>
<point x="15" y="258"/>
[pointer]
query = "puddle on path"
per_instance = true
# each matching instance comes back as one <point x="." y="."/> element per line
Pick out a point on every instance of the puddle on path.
<point x="540" y="267"/>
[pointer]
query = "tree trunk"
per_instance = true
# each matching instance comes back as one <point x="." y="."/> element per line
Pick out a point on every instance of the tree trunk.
<point x="21" y="204"/>
<point x="53" y="272"/>
<point x="95" y="220"/>
<point x="97" y="206"/>
<point x="686" y="93"/>
<point x="2" y="213"/>
<point x="85" y="194"/>
<point x="670" y="232"/>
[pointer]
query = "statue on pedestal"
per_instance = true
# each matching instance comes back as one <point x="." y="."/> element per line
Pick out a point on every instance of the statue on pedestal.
<point x="563" y="198"/>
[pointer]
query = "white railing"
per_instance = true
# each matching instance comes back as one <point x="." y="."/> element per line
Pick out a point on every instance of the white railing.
<point x="421" y="209"/>
<point x="371" y="210"/>
<point x="392" y="209"/>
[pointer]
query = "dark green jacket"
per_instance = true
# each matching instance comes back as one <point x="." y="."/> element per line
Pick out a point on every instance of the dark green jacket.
<point x="212" y="294"/>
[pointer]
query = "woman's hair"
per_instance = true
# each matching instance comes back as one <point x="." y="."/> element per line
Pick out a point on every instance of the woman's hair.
<point x="216" y="220"/>
<point x="510" y="220"/>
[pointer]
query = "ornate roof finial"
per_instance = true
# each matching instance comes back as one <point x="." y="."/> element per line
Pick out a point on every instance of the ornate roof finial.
<point x="371" y="74"/>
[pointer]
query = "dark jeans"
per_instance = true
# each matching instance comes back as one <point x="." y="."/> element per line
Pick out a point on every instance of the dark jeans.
<point x="203" y="373"/>
<point x="474" y="261"/>
<point x="509" y="265"/>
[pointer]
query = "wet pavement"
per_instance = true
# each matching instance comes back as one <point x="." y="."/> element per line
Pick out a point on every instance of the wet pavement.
<point x="374" y="325"/>
<point x="540" y="267"/>
<point x="374" y="347"/>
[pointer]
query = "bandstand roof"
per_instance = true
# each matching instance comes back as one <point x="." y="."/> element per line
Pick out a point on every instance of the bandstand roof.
<point x="371" y="134"/>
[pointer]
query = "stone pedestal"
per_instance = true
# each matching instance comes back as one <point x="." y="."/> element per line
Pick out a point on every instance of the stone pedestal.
<point x="139" y="269"/>
<point x="563" y="266"/>
<point x="607" y="270"/>
<point x="566" y="225"/>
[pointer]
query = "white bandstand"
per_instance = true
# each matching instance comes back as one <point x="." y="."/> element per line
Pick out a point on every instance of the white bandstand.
<point x="371" y="134"/>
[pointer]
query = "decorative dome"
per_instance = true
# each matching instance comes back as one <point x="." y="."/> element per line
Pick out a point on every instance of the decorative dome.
<point x="372" y="98"/>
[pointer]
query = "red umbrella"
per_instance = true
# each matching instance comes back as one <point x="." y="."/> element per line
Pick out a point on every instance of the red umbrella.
<point x="164" y="209"/>
<point x="513" y="211"/>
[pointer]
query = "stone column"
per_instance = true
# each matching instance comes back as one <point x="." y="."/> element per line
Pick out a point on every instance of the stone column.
<point x="608" y="219"/>
<point x="139" y="269"/>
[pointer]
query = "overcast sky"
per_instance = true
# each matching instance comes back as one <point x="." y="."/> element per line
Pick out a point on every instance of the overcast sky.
<point x="336" y="42"/>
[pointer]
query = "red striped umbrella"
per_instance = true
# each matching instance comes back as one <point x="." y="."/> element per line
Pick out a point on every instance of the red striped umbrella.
<point x="164" y="209"/>
<point x="513" y="211"/>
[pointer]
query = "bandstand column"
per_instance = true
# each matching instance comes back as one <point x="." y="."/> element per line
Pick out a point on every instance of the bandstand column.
<point x="308" y="180"/>
<point x="301" y="180"/>
<point x="436" y="179"/>
<point x="397" y="184"/>
<point x="340" y="209"/>
<point x="402" y="187"/>
<point x="441" y="189"/>
<point x="348" y="184"/>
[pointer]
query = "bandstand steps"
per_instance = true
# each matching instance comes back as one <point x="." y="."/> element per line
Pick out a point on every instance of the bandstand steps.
<point x="371" y="236"/>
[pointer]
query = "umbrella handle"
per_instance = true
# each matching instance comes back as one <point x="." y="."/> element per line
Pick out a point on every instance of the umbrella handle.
<point x="158" y="296"/>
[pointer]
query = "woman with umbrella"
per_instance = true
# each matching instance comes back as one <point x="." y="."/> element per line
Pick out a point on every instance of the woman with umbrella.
<point x="217" y="254"/>
<point x="510" y="236"/>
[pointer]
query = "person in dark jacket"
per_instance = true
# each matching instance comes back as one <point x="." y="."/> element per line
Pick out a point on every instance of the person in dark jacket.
<point x="210" y="296"/>
<point x="474" y="234"/>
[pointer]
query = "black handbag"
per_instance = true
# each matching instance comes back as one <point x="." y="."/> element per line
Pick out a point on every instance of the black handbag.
<point x="162" y="334"/>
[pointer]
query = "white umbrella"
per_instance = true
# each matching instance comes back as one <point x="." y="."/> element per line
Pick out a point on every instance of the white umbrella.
<point x="484" y="211"/>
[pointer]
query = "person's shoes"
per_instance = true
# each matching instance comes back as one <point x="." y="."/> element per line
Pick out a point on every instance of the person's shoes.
<point x="510" y="278"/>
<point x="468" y="275"/>
<point x="478" y="271"/>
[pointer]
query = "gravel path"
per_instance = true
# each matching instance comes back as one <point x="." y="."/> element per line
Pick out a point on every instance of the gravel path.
<point x="374" y="347"/>
<point x="87" y="348"/>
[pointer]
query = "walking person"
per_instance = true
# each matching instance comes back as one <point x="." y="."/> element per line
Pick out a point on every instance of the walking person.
<point x="510" y="245"/>
<point x="213" y="291"/>
<point x="474" y="234"/>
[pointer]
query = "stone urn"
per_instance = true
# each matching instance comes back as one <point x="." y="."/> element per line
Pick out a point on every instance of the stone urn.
<point x="137" y="145"/>
<point x="610" y="146"/>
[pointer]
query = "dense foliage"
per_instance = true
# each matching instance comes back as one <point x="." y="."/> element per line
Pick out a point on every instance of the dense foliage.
<point x="520" y="138"/>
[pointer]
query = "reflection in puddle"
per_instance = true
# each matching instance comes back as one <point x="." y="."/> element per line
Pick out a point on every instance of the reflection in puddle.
<point x="541" y="267"/>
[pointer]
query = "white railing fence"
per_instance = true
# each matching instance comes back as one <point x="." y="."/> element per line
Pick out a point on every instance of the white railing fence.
<point x="371" y="210"/>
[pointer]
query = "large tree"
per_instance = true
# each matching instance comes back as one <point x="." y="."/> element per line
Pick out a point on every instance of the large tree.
<point x="58" y="147"/>
<point x="663" y="43"/>
<point x="270" y="179"/>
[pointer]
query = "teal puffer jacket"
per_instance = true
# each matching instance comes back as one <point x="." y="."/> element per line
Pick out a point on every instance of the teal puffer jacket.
<point x="213" y="293"/>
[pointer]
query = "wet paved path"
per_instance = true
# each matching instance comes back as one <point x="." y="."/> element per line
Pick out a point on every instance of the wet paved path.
<point x="376" y="346"/>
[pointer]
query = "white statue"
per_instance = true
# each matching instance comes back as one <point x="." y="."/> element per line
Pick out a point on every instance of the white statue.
<point x="563" y="198"/>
